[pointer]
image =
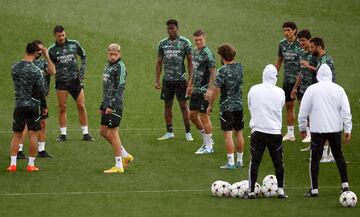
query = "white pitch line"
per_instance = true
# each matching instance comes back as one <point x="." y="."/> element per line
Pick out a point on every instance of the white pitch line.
<point x="135" y="192"/>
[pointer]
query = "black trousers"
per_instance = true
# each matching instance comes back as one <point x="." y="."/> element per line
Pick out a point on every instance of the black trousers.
<point x="259" y="141"/>
<point x="317" y="146"/>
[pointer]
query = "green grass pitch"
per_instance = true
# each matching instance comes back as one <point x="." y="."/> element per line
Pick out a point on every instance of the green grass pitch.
<point x="166" y="178"/>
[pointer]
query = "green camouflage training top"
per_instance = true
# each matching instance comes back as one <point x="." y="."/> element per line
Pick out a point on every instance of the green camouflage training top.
<point x="28" y="84"/>
<point x="114" y="78"/>
<point x="65" y="59"/>
<point x="326" y="59"/>
<point x="174" y="53"/>
<point x="229" y="79"/>
<point x="290" y="53"/>
<point x="43" y="64"/>
<point x="202" y="60"/>
<point x="308" y="77"/>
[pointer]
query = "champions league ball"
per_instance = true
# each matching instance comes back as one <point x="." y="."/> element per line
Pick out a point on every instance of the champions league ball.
<point x="269" y="187"/>
<point x="348" y="199"/>
<point x="239" y="189"/>
<point x="220" y="188"/>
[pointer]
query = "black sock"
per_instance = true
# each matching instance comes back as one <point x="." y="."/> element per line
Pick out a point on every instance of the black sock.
<point x="169" y="128"/>
<point x="187" y="129"/>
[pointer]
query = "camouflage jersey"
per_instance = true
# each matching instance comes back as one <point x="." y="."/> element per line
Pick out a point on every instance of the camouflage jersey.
<point x="308" y="77"/>
<point x="326" y="59"/>
<point x="229" y="79"/>
<point x="174" y="53"/>
<point x="113" y="86"/>
<point x="28" y="84"/>
<point x="202" y="60"/>
<point x="43" y="64"/>
<point x="64" y="56"/>
<point x="290" y="53"/>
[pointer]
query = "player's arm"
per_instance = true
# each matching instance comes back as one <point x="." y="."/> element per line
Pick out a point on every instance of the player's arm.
<point x="296" y="86"/>
<point x="307" y="65"/>
<point x="279" y="60"/>
<point x="39" y="90"/>
<point x="109" y="93"/>
<point x="50" y="69"/>
<point x="190" y="70"/>
<point x="211" y="84"/>
<point x="159" y="64"/>
<point x="304" y="112"/>
<point x="82" y="54"/>
<point x="346" y="116"/>
<point x="215" y="93"/>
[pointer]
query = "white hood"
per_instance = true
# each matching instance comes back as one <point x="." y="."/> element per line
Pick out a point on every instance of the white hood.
<point x="270" y="74"/>
<point x="324" y="73"/>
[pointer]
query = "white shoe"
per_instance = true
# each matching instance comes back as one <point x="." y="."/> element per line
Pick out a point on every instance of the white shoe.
<point x="288" y="137"/>
<point x="189" y="137"/>
<point x="307" y="139"/>
<point x="167" y="136"/>
<point x="306" y="149"/>
<point x="325" y="159"/>
<point x="204" y="150"/>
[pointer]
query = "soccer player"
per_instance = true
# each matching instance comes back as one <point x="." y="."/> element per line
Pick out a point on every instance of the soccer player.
<point x="307" y="74"/>
<point x="29" y="94"/>
<point x="265" y="102"/>
<point x="47" y="68"/>
<point x="289" y="54"/>
<point x="171" y="53"/>
<point x="112" y="106"/>
<point x="327" y="106"/>
<point x="228" y="82"/>
<point x="69" y="79"/>
<point x="317" y="47"/>
<point x="203" y="81"/>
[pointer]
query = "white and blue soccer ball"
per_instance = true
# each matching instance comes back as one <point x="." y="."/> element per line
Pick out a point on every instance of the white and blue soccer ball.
<point x="239" y="189"/>
<point x="270" y="186"/>
<point x="348" y="199"/>
<point x="220" y="188"/>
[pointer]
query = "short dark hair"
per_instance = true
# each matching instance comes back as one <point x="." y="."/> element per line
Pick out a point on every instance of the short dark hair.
<point x="198" y="33"/>
<point x="32" y="48"/>
<point x="173" y="22"/>
<point x="58" y="28"/>
<point x="304" y="34"/>
<point x="227" y="52"/>
<point x="318" y="42"/>
<point x="290" y="25"/>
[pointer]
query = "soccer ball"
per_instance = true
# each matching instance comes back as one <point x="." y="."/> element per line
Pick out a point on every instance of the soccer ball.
<point x="239" y="189"/>
<point x="220" y="188"/>
<point x="270" y="186"/>
<point x="270" y="178"/>
<point x="348" y="199"/>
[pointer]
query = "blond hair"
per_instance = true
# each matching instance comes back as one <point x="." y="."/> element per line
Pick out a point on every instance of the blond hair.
<point x="114" y="46"/>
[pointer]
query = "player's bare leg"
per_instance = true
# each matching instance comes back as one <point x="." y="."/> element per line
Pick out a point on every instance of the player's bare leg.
<point x="290" y="119"/>
<point x="168" y="120"/>
<point x="239" y="148"/>
<point x="207" y="148"/>
<point x="83" y="119"/>
<point x="20" y="153"/>
<point x="41" y="140"/>
<point x="186" y="118"/>
<point x="62" y="97"/>
<point x="112" y="136"/>
<point x="229" y="145"/>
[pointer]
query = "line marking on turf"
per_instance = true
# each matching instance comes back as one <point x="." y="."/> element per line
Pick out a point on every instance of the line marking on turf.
<point x="15" y="194"/>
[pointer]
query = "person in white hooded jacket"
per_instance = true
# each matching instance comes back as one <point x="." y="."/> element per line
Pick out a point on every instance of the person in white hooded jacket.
<point x="265" y="102"/>
<point x="327" y="106"/>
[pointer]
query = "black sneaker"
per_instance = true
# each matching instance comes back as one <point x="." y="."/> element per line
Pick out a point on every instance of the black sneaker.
<point x="344" y="189"/>
<point x="61" y="138"/>
<point x="87" y="137"/>
<point x="282" y="196"/>
<point x="21" y="155"/>
<point x="309" y="194"/>
<point x="44" y="154"/>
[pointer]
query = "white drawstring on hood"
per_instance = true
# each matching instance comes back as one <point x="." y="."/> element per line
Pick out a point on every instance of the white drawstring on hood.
<point x="324" y="73"/>
<point x="270" y="74"/>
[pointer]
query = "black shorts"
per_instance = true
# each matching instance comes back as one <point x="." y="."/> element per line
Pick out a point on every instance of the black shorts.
<point x="74" y="87"/>
<point x="111" y="120"/>
<point x="30" y="116"/>
<point x="198" y="103"/>
<point x="171" y="88"/>
<point x="232" y="120"/>
<point x="287" y="87"/>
